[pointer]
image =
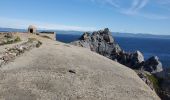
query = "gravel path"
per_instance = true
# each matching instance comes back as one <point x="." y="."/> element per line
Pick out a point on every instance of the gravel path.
<point x="58" y="71"/>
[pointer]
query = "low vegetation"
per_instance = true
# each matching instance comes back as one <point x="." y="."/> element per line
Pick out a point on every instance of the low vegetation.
<point x="11" y="53"/>
<point x="8" y="38"/>
<point x="38" y="44"/>
<point x="156" y="82"/>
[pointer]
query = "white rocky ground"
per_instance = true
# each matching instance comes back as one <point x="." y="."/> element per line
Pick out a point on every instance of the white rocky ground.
<point x="58" y="71"/>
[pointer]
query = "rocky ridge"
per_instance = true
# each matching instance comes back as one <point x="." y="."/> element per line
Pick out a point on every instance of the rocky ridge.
<point x="104" y="44"/>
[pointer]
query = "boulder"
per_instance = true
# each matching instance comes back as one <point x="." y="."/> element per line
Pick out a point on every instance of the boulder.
<point x="85" y="36"/>
<point x="153" y="65"/>
<point x="108" y="36"/>
<point x="136" y="59"/>
<point x="138" y="56"/>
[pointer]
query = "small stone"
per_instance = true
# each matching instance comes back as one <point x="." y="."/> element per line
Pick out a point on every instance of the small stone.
<point x="72" y="71"/>
<point x="21" y="48"/>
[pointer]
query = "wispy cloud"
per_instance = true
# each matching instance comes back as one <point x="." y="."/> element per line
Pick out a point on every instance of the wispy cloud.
<point x="113" y="3"/>
<point x="136" y="7"/>
<point x="18" y="23"/>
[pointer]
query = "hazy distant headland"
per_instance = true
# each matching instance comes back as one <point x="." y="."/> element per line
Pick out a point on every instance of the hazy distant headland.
<point x="115" y="34"/>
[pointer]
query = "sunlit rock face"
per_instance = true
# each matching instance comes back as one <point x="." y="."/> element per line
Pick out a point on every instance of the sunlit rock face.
<point x="102" y="42"/>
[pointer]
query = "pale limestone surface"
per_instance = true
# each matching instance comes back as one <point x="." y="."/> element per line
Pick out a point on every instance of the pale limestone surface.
<point x="43" y="74"/>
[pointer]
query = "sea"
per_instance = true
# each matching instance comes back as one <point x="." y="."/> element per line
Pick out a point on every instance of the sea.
<point x="148" y="46"/>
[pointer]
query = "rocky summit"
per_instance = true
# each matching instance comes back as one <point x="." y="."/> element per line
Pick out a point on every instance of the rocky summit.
<point x="103" y="43"/>
<point x="148" y="70"/>
<point x="58" y="71"/>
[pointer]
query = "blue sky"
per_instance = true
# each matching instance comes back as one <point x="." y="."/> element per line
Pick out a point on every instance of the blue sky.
<point x="136" y="16"/>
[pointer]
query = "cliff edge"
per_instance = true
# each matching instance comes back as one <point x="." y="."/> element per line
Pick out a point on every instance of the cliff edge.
<point x="58" y="71"/>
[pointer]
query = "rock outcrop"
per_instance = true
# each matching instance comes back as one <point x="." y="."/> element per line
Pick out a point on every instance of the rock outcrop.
<point x="153" y="65"/>
<point x="58" y="71"/>
<point x="103" y="43"/>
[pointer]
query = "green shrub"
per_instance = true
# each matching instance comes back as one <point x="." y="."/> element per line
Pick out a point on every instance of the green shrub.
<point x="17" y="39"/>
<point x="10" y="40"/>
<point x="156" y="81"/>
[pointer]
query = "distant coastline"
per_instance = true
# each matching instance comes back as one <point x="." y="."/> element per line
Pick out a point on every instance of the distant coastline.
<point x="115" y="34"/>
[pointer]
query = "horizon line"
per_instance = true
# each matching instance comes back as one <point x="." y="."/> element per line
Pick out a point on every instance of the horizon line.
<point x="41" y="29"/>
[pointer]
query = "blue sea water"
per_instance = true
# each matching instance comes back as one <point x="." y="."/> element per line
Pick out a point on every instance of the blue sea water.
<point x="148" y="46"/>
